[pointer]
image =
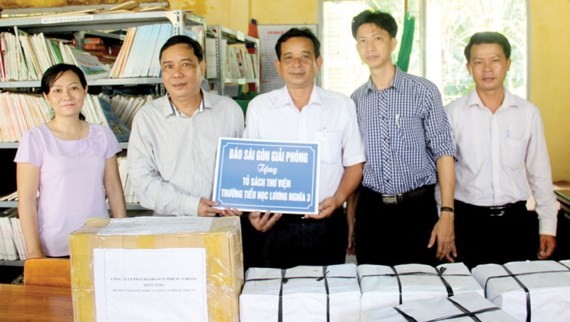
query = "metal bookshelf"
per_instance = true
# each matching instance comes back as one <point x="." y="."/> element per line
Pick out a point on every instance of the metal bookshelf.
<point x="219" y="33"/>
<point x="19" y="263"/>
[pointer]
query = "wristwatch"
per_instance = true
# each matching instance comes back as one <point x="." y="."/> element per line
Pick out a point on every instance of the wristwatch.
<point x="446" y="209"/>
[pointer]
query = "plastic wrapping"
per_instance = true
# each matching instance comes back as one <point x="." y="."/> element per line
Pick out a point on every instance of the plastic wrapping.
<point x="467" y="307"/>
<point x="529" y="291"/>
<point x="219" y="237"/>
<point x="302" y="293"/>
<point x="386" y="286"/>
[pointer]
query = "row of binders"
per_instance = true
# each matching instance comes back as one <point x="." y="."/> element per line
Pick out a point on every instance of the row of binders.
<point x="22" y="112"/>
<point x="12" y="245"/>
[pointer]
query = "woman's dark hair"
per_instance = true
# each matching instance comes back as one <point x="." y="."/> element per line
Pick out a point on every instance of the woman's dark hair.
<point x="54" y="73"/>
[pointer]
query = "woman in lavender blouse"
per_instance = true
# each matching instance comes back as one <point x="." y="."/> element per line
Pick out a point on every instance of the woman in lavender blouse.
<point x="65" y="168"/>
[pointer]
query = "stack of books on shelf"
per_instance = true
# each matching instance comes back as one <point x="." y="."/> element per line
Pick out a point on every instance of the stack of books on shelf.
<point x="210" y="54"/>
<point x="126" y="106"/>
<point x="91" y="8"/>
<point x="95" y="45"/>
<point x="22" y="112"/>
<point x="26" y="57"/>
<point x="12" y="245"/>
<point x="240" y="63"/>
<point x="140" y="51"/>
<point x="19" y="113"/>
<point x="128" y="189"/>
<point x="106" y="53"/>
<point x="100" y="106"/>
<point x="2" y="67"/>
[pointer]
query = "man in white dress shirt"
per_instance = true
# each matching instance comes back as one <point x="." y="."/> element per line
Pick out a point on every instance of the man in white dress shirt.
<point x="172" y="148"/>
<point x="501" y="152"/>
<point x="301" y="111"/>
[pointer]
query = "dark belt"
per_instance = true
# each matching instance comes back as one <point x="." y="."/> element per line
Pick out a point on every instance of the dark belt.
<point x="396" y="199"/>
<point x="495" y="211"/>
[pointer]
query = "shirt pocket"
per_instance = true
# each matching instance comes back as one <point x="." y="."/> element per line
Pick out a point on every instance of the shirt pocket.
<point x="411" y="131"/>
<point x="409" y="142"/>
<point x="513" y="154"/>
<point x="330" y="146"/>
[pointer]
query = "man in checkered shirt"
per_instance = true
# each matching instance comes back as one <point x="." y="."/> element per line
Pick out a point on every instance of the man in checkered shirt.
<point x="409" y="148"/>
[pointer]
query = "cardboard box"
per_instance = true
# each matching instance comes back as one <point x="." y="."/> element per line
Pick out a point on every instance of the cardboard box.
<point x="302" y="293"/>
<point x="157" y="269"/>
<point x="385" y="286"/>
<point x="529" y="291"/>
<point x="467" y="307"/>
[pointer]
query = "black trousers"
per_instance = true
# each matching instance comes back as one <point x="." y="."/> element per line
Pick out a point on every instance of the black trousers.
<point x="294" y="241"/>
<point x="395" y="234"/>
<point x="490" y="235"/>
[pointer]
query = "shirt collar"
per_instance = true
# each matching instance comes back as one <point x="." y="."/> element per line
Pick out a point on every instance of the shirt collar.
<point x="397" y="81"/>
<point x="169" y="109"/>
<point x="284" y="99"/>
<point x="474" y="100"/>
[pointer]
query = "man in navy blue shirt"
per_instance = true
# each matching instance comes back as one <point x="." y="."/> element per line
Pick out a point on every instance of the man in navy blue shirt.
<point x="409" y="149"/>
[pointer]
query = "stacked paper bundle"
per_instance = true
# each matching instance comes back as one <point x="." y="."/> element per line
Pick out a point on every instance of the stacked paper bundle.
<point x="529" y="291"/>
<point x="385" y="286"/>
<point x="466" y="307"/>
<point x="302" y="293"/>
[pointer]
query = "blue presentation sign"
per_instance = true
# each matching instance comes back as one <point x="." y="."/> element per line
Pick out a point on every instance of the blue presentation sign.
<point x="276" y="176"/>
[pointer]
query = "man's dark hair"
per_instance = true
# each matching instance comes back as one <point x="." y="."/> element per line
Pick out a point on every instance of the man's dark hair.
<point x="488" y="37"/>
<point x="302" y="33"/>
<point x="182" y="39"/>
<point x="381" y="19"/>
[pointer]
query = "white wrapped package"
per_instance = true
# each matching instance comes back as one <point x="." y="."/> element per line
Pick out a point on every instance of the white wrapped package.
<point x="466" y="307"/>
<point x="302" y="293"/>
<point x="386" y="286"/>
<point x="529" y="291"/>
